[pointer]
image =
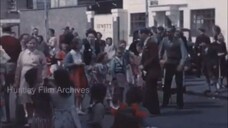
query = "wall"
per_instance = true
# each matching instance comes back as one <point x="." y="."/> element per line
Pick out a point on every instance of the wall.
<point x="221" y="14"/>
<point x="104" y="26"/>
<point x="4" y="13"/>
<point x="133" y="6"/>
<point x="58" y="19"/>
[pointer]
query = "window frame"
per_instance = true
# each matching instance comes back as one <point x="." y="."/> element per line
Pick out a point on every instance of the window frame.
<point x="202" y="18"/>
<point x="135" y="18"/>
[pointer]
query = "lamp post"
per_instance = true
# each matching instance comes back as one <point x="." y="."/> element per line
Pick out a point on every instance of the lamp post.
<point x="147" y="14"/>
<point x="46" y="19"/>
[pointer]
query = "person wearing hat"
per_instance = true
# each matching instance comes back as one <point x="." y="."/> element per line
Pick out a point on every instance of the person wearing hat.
<point x="176" y="55"/>
<point x="201" y="40"/>
<point x="151" y="69"/>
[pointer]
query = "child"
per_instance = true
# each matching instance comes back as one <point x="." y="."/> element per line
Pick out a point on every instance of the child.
<point x="118" y="71"/>
<point x="97" y="109"/>
<point x="100" y="69"/>
<point x="74" y="62"/>
<point x="132" y="114"/>
<point x="41" y="102"/>
<point x="63" y="100"/>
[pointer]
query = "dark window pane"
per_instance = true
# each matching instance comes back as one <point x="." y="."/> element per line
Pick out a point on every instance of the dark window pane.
<point x="202" y="18"/>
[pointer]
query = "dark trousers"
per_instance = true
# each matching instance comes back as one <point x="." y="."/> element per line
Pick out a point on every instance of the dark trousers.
<point x="150" y="99"/>
<point x="170" y="72"/>
<point x="9" y="80"/>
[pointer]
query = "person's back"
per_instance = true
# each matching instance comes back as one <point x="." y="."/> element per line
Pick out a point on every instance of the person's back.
<point x="60" y="102"/>
<point x="12" y="47"/>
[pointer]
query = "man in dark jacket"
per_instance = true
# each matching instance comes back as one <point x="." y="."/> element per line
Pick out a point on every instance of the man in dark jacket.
<point x="201" y="40"/>
<point x="151" y="68"/>
<point x="176" y="56"/>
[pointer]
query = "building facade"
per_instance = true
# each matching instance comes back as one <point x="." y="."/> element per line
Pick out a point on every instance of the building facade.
<point x="190" y="14"/>
<point x="9" y="14"/>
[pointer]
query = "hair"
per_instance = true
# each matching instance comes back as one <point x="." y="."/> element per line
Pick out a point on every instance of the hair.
<point x="31" y="38"/>
<point x="52" y="31"/>
<point x="134" y="95"/>
<point x="202" y="30"/>
<point x="154" y="29"/>
<point x="99" y="33"/>
<point x="145" y="31"/>
<point x="75" y="41"/>
<point x="123" y="42"/>
<point x="91" y="31"/>
<point x="62" y="81"/>
<point x="41" y="37"/>
<point x="98" y="92"/>
<point x="126" y="119"/>
<point x="31" y="77"/>
<point x="7" y="29"/>
<point x="160" y="28"/>
<point x="35" y="29"/>
<point x="100" y="57"/>
<point x="217" y="29"/>
<point x="108" y="38"/>
<point x="22" y="35"/>
<point x="215" y="38"/>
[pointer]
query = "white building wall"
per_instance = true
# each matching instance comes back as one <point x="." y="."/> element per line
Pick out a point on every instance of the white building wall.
<point x="221" y="14"/>
<point x="133" y="6"/>
<point x="104" y="24"/>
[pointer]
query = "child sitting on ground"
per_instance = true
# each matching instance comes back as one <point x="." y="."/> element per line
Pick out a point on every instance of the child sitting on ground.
<point x="97" y="109"/>
<point x="132" y="114"/>
<point x="41" y="101"/>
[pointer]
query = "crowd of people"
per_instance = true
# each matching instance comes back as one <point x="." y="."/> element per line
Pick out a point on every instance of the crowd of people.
<point x="52" y="78"/>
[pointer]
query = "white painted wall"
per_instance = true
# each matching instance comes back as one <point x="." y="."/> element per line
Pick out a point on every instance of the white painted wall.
<point x="104" y="24"/>
<point x="133" y="6"/>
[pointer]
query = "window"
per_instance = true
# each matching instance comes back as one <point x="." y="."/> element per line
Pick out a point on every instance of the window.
<point x="153" y="2"/>
<point x="202" y="19"/>
<point x="63" y="3"/>
<point x="181" y="19"/>
<point x="12" y="5"/>
<point x="138" y="21"/>
<point x="29" y="4"/>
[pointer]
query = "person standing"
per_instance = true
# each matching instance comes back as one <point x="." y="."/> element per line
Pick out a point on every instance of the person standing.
<point x="35" y="32"/>
<point x="101" y="42"/>
<point x="176" y="57"/>
<point x="151" y="71"/>
<point x="75" y="64"/>
<point x="23" y="39"/>
<point x="12" y="47"/>
<point x="28" y="59"/>
<point x="91" y="47"/>
<point x="201" y="40"/>
<point x="109" y="48"/>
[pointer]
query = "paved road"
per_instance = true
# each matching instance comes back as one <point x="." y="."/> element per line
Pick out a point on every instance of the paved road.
<point x="199" y="112"/>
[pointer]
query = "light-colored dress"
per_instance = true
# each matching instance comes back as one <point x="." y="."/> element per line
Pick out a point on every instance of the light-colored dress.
<point x="65" y="114"/>
<point x="26" y="61"/>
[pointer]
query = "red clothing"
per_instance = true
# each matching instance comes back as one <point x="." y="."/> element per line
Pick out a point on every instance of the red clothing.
<point x="78" y="77"/>
<point x="12" y="47"/>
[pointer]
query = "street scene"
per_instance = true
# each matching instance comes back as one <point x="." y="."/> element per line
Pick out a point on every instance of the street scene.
<point x="113" y="64"/>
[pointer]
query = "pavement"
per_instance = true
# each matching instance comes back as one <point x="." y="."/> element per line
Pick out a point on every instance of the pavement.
<point x="197" y="86"/>
<point x="200" y="110"/>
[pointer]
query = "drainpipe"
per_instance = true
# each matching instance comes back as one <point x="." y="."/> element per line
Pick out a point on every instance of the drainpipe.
<point x="147" y="14"/>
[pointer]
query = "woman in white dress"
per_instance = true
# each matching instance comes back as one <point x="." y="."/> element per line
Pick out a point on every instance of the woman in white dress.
<point x="28" y="59"/>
